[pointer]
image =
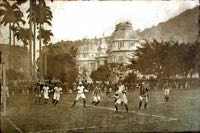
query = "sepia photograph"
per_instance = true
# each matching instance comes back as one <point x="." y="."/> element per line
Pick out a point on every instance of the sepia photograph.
<point x="93" y="66"/>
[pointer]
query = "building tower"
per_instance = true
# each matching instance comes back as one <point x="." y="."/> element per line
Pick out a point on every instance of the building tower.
<point x="122" y="44"/>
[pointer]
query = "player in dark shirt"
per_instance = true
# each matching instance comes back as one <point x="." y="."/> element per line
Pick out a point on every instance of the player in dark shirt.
<point x="38" y="92"/>
<point x="143" y="96"/>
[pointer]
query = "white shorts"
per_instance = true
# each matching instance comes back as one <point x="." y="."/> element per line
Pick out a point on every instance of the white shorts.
<point x="56" y="96"/>
<point x="143" y="98"/>
<point x="166" y="92"/>
<point x="80" y="95"/>
<point x="96" y="98"/>
<point x="122" y="100"/>
<point x="46" y="96"/>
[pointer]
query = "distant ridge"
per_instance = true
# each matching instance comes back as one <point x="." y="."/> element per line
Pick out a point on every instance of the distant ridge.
<point x="181" y="28"/>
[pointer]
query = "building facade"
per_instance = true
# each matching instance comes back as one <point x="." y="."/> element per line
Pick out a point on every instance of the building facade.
<point x="122" y="44"/>
<point x="115" y="49"/>
<point x="86" y="57"/>
<point x="15" y="58"/>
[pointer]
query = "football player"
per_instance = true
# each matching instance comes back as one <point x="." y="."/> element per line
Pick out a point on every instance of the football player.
<point x="143" y="95"/>
<point x="46" y="93"/>
<point x="80" y="94"/>
<point x="121" y="97"/>
<point x="96" y="95"/>
<point x="57" y="93"/>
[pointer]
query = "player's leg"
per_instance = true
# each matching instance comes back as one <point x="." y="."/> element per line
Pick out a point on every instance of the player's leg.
<point x="84" y="99"/>
<point x="53" y="101"/>
<point x="167" y="95"/>
<point x="45" y="99"/>
<point x="36" y="98"/>
<point x="39" y="98"/>
<point x="116" y="108"/>
<point x="118" y="102"/>
<point x="140" y="102"/>
<point x="56" y="102"/>
<point x="54" y="98"/>
<point x="98" y="100"/>
<point x="76" y="99"/>
<point x="73" y="103"/>
<point x="94" y="100"/>
<point x="146" y="102"/>
<point x="84" y="102"/>
<point x="57" y="99"/>
<point x="167" y="98"/>
<point x="126" y="104"/>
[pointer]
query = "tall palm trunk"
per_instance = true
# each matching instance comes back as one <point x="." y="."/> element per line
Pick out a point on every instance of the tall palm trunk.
<point x="34" y="47"/>
<point x="14" y="47"/>
<point x="10" y="51"/>
<point x="45" y="62"/>
<point x="40" y="55"/>
<point x="30" y="43"/>
<point x="34" y="40"/>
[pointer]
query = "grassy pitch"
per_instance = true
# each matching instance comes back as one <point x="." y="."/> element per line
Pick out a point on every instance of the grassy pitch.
<point x="181" y="113"/>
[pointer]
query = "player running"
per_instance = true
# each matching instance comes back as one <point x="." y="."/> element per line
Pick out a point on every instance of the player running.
<point x="57" y="93"/>
<point x="121" y="97"/>
<point x="46" y="93"/>
<point x="166" y="92"/>
<point x="96" y="95"/>
<point x="143" y="96"/>
<point x="38" y="92"/>
<point x="81" y="89"/>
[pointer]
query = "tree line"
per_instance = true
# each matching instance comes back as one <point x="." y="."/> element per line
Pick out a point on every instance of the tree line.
<point x="166" y="59"/>
<point x="159" y="60"/>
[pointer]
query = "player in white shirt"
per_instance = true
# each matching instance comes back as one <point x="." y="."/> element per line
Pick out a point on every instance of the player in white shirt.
<point x="121" y="97"/>
<point x="81" y="89"/>
<point x="46" y="93"/>
<point x="166" y="91"/>
<point x="57" y="93"/>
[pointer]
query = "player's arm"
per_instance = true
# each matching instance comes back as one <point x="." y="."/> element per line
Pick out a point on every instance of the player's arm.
<point x="85" y="90"/>
<point x="61" y="90"/>
<point x="114" y="96"/>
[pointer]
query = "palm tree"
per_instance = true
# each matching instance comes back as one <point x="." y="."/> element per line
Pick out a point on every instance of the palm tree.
<point x="23" y="35"/>
<point x="10" y="14"/>
<point x="15" y="24"/>
<point x="45" y="35"/>
<point x="41" y="14"/>
<point x="45" y="16"/>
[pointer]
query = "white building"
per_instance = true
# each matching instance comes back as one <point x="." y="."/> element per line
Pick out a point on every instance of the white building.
<point x="122" y="44"/>
<point x="97" y="52"/>
<point x="86" y="61"/>
<point x="102" y="55"/>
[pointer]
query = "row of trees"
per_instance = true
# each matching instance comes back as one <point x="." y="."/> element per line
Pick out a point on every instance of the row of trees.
<point x="39" y="14"/>
<point x="161" y="60"/>
<point x="166" y="59"/>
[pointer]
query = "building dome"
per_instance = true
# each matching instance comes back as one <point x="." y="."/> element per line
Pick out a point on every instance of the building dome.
<point x="122" y="30"/>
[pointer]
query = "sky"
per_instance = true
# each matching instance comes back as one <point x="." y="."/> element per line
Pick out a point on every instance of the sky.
<point x="73" y="20"/>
